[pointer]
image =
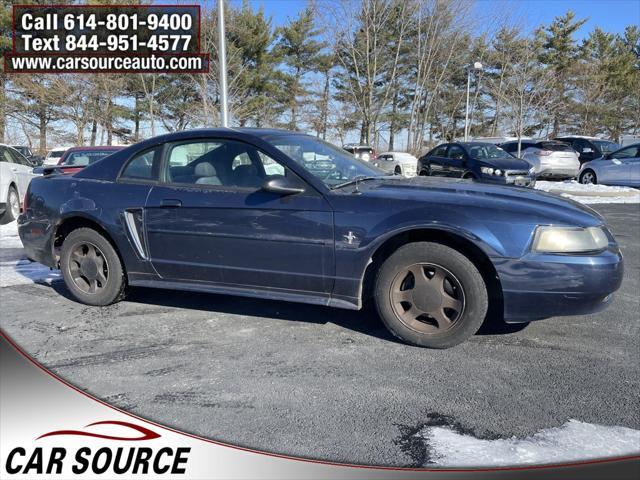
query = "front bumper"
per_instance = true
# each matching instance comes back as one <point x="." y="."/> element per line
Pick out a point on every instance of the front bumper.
<point x="558" y="173"/>
<point x="539" y="286"/>
<point x="517" y="180"/>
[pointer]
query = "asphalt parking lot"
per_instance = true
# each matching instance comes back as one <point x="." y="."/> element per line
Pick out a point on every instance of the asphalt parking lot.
<point x="333" y="384"/>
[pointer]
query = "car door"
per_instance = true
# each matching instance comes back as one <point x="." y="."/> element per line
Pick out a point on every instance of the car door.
<point x="437" y="160"/>
<point x="210" y="222"/>
<point x="455" y="164"/>
<point x="22" y="169"/>
<point x="619" y="167"/>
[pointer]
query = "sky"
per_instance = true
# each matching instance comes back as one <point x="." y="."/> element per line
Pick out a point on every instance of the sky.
<point x="610" y="15"/>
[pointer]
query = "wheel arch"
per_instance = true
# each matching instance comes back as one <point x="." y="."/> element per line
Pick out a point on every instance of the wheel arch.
<point x="73" y="222"/>
<point x="445" y="237"/>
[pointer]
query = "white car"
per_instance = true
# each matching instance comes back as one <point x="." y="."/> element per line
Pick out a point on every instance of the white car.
<point x="399" y="163"/>
<point x="551" y="159"/>
<point x="15" y="174"/>
<point x="54" y="155"/>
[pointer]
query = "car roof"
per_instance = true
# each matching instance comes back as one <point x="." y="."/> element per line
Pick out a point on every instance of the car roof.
<point x="95" y="148"/>
<point x="584" y="137"/>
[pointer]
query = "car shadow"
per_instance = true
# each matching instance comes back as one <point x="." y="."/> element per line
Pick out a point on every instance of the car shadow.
<point x="365" y="321"/>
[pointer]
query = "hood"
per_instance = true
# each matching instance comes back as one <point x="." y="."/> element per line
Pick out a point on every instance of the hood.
<point x="540" y="207"/>
<point x="505" y="163"/>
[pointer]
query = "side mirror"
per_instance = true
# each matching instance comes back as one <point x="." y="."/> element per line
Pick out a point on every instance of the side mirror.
<point x="282" y="186"/>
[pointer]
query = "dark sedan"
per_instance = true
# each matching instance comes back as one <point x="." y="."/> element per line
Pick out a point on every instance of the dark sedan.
<point x="478" y="161"/>
<point x="237" y="211"/>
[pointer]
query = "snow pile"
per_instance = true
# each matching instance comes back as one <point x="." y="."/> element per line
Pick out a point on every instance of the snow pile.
<point x="15" y="268"/>
<point x="573" y="441"/>
<point x="590" y="193"/>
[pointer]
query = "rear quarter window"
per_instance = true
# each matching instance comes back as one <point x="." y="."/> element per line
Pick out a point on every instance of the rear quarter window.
<point x="142" y="166"/>
<point x="555" y="146"/>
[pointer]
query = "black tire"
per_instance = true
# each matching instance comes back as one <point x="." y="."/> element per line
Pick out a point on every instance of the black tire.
<point x="586" y="175"/>
<point x="397" y="171"/>
<point x="469" y="176"/>
<point x="81" y="273"/>
<point x="425" y="171"/>
<point x="470" y="291"/>
<point x="12" y="196"/>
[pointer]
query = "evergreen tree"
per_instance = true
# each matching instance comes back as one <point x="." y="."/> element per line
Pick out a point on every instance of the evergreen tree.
<point x="301" y="55"/>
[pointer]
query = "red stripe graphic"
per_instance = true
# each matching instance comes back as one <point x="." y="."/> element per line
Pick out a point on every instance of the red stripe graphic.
<point x="146" y="433"/>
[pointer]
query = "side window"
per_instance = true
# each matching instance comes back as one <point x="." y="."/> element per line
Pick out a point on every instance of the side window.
<point x="271" y="167"/>
<point x="509" y="147"/>
<point x="584" y="147"/>
<point x="630" y="152"/>
<point x="226" y="163"/>
<point x="455" y="152"/>
<point x="141" y="166"/>
<point x="440" y="151"/>
<point x="5" y="156"/>
<point x="18" y="158"/>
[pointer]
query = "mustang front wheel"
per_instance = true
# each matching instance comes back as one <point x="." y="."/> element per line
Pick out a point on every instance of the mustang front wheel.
<point x="430" y="295"/>
<point x="91" y="268"/>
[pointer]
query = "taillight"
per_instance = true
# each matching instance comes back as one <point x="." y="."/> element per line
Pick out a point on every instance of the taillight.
<point x="542" y="153"/>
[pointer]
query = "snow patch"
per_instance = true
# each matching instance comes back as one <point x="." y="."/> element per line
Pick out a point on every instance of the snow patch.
<point x="573" y="441"/>
<point x="590" y="193"/>
<point x="15" y="268"/>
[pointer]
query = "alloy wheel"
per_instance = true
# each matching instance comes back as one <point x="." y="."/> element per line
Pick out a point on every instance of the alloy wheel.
<point x="88" y="268"/>
<point x="427" y="298"/>
<point x="588" y="178"/>
<point x="14" y="203"/>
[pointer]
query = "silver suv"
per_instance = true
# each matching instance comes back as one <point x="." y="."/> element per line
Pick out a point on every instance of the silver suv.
<point x="550" y="159"/>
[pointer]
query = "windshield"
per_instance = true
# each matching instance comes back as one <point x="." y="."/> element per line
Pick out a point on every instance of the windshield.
<point x="488" y="151"/>
<point x="606" y="147"/>
<point x="82" y="159"/>
<point x="330" y="164"/>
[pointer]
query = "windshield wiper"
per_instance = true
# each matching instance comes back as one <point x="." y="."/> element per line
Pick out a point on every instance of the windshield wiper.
<point x="355" y="180"/>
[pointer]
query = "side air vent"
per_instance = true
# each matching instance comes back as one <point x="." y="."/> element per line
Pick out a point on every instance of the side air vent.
<point x="133" y="221"/>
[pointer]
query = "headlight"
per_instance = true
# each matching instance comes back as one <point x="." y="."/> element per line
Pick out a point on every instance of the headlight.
<point x="487" y="170"/>
<point x="569" y="239"/>
<point x="497" y="171"/>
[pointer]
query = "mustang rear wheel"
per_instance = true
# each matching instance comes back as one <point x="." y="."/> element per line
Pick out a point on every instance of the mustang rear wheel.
<point x="430" y="295"/>
<point x="91" y="268"/>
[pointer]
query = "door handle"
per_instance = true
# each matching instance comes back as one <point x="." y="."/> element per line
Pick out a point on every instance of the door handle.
<point x="170" y="202"/>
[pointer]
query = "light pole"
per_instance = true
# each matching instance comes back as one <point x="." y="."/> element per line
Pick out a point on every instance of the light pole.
<point x="476" y="67"/>
<point x="222" y="64"/>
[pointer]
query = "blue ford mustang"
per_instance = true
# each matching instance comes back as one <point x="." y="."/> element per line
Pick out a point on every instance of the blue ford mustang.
<point x="281" y="215"/>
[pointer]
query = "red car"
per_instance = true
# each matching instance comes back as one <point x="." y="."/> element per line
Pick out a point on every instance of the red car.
<point x="76" y="158"/>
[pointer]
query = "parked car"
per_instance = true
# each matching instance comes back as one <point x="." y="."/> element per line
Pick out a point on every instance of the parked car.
<point x="434" y="255"/>
<point x="621" y="167"/>
<point x="397" y="163"/>
<point x="478" y="161"/>
<point x="76" y="158"/>
<point x="550" y="159"/>
<point x="34" y="160"/>
<point x="53" y="156"/>
<point x="15" y="175"/>
<point x="363" y="152"/>
<point x="589" y="148"/>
